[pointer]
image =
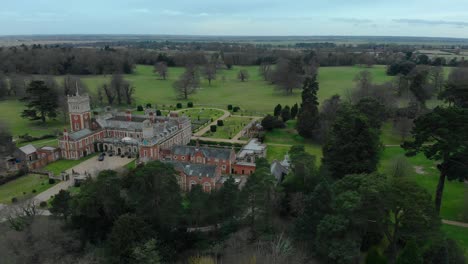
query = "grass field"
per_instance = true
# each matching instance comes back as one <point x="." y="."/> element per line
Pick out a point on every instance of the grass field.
<point x="459" y="234"/>
<point x="62" y="165"/>
<point x="10" y="113"/>
<point x="22" y="188"/>
<point x="232" y="126"/>
<point x="226" y="89"/>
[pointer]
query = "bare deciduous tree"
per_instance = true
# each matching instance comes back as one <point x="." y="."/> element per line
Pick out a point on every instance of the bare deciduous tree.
<point x="161" y="69"/>
<point x="265" y="70"/>
<point x="243" y="75"/>
<point x="402" y="126"/>
<point x="188" y="83"/>
<point x="288" y="74"/>
<point x="209" y="71"/>
<point x="110" y="93"/>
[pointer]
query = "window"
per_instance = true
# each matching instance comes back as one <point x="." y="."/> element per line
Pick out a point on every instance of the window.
<point x="183" y="157"/>
<point x="224" y="167"/>
<point x="175" y="157"/>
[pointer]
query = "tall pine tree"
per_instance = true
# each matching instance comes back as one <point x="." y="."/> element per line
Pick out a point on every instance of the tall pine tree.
<point x="308" y="118"/>
<point x="353" y="146"/>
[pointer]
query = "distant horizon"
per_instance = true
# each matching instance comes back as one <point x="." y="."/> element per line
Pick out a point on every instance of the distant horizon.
<point x="425" y="18"/>
<point x="228" y="35"/>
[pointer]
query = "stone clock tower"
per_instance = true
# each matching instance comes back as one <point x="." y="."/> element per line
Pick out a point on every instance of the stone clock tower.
<point x="80" y="112"/>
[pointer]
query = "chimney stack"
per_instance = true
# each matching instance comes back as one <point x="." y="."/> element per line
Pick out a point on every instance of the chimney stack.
<point x="151" y="115"/>
<point x="128" y="115"/>
<point x="65" y="134"/>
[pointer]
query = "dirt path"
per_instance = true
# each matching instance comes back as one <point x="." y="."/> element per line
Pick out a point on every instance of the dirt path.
<point x="455" y="223"/>
<point x="232" y="141"/>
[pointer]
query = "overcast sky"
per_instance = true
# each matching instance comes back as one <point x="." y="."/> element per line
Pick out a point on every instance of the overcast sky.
<point x="435" y="18"/>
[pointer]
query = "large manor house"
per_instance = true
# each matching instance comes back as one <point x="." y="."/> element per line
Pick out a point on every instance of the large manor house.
<point x="150" y="137"/>
<point x="123" y="133"/>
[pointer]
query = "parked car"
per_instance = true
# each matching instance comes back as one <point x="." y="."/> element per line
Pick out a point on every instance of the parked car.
<point x="122" y="156"/>
<point x="111" y="154"/>
<point x="101" y="157"/>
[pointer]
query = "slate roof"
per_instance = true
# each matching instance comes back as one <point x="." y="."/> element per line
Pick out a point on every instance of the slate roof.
<point x="28" y="149"/>
<point x="217" y="153"/>
<point x="80" y="134"/>
<point x="278" y="170"/>
<point x="48" y="148"/>
<point x="197" y="170"/>
<point x="252" y="147"/>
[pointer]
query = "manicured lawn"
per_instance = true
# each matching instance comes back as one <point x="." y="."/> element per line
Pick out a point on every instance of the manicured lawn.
<point x="452" y="202"/>
<point x="201" y="116"/>
<point x="459" y="234"/>
<point x="232" y="126"/>
<point x="52" y="142"/>
<point x="62" y="165"/>
<point x="23" y="187"/>
<point x="254" y="95"/>
<point x="277" y="139"/>
<point x="10" y="113"/>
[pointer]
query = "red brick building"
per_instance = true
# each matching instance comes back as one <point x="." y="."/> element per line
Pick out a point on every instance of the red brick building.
<point x="222" y="157"/>
<point x="122" y="133"/>
<point x="207" y="176"/>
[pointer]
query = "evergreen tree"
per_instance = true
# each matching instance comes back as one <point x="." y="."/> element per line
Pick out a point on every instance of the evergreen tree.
<point x="442" y="136"/>
<point x="308" y="118"/>
<point x="286" y="114"/>
<point x="41" y="101"/>
<point x="277" y="110"/>
<point x="410" y="254"/>
<point x="294" y="111"/>
<point x="353" y="146"/>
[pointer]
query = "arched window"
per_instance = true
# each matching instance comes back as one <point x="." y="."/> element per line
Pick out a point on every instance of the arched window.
<point x="207" y="187"/>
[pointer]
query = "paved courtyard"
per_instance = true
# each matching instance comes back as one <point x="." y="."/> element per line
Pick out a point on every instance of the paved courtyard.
<point x="91" y="166"/>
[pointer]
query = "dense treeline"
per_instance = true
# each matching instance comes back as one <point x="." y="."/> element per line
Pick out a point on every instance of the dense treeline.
<point x="56" y="60"/>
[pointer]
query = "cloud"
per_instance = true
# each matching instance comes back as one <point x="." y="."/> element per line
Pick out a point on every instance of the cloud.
<point x="431" y="22"/>
<point x="141" y="10"/>
<point x="171" y="12"/>
<point x="352" y="20"/>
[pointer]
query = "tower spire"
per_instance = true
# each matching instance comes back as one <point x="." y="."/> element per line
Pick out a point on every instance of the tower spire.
<point x="76" y="86"/>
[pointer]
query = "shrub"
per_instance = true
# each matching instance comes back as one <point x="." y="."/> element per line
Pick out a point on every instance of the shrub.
<point x="220" y="123"/>
<point x="213" y="128"/>
<point x="236" y="109"/>
<point x="51" y="181"/>
<point x="14" y="200"/>
<point x="179" y="105"/>
<point x="140" y="108"/>
<point x="43" y="204"/>
<point x="34" y="191"/>
<point x="229" y="107"/>
<point x="158" y="112"/>
<point x="189" y="105"/>
<point x="148" y="105"/>
<point x="374" y="257"/>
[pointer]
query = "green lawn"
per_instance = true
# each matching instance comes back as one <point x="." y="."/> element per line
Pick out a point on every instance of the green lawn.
<point x="226" y="89"/>
<point x="232" y="126"/>
<point x="452" y="203"/>
<point x="23" y="187"/>
<point x="459" y="234"/>
<point x="62" y="165"/>
<point x="202" y="113"/>
<point x="279" y="142"/>
<point x="10" y="113"/>
<point x="52" y="142"/>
